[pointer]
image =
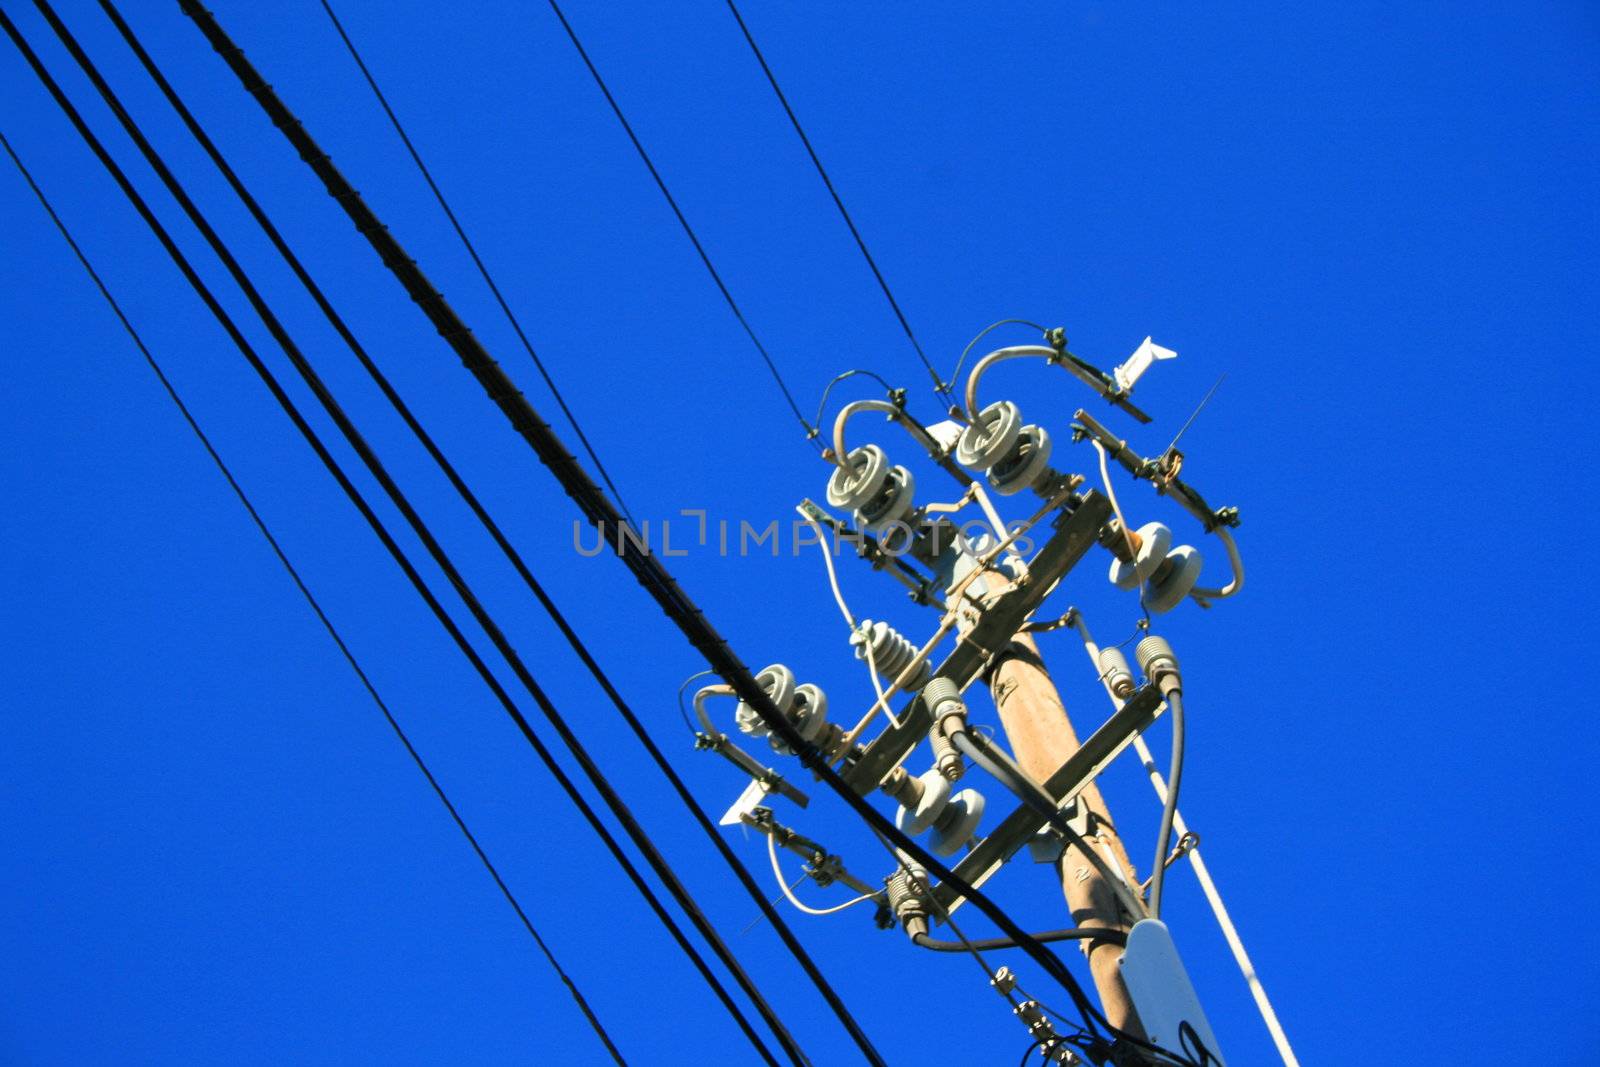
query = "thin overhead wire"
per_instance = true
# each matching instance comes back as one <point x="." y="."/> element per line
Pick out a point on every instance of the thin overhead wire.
<point x="506" y="395"/>
<point x="985" y="332"/>
<point x="838" y="202"/>
<point x="651" y="573"/>
<point x="694" y="239"/>
<point x="1196" y="413"/>
<point x="315" y="605"/>
<point x="515" y="558"/>
<point x="822" y="405"/>
<point x="335" y="412"/>
<point x="477" y="260"/>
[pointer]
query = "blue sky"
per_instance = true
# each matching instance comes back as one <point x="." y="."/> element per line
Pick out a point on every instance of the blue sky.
<point x="1378" y="220"/>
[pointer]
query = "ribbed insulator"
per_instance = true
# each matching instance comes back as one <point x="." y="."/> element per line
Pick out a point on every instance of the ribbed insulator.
<point x="891" y="653"/>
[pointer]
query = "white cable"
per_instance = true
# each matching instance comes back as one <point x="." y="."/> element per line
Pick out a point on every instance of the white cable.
<point x="1111" y="495"/>
<point x="850" y="620"/>
<point x="1233" y="586"/>
<point x="999" y="355"/>
<point x="1127" y="532"/>
<point x="777" y="872"/>
<point x="1213" y="897"/>
<point x="877" y="682"/>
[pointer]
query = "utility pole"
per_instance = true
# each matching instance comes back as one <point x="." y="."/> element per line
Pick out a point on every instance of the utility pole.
<point x="1042" y="739"/>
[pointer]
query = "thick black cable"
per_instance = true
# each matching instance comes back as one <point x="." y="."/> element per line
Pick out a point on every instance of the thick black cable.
<point x="315" y="605"/>
<point x="991" y="944"/>
<point x="597" y="779"/>
<point x="443" y="616"/>
<point x="515" y="558"/>
<point x="477" y="261"/>
<point x="598" y="510"/>
<point x="1169" y="810"/>
<point x="672" y="202"/>
<point x="822" y="172"/>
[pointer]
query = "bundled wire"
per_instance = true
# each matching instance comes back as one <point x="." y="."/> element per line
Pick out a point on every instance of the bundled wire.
<point x="500" y="539"/>
<point x="316" y="607"/>
<point x="477" y="260"/>
<point x="375" y="467"/>
<point x="600" y="513"/>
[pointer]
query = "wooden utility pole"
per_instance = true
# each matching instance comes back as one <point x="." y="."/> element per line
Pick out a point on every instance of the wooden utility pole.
<point x="1041" y="738"/>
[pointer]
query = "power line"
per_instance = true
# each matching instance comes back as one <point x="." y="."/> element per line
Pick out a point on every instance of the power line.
<point x="598" y="510"/>
<point x="794" y="120"/>
<point x="477" y="261"/>
<point x="625" y="817"/>
<point x="316" y="607"/>
<point x="255" y="209"/>
<point x="672" y="202"/>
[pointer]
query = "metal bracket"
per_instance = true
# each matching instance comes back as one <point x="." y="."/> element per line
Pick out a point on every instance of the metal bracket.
<point x="1162" y="473"/>
<point x="821" y="865"/>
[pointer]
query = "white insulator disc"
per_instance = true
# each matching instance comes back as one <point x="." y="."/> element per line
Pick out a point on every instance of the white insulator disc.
<point x="812" y="705"/>
<point x="1161" y="597"/>
<point x="959" y="823"/>
<point x="896" y="505"/>
<point x="860" y="480"/>
<point x="1154" y="539"/>
<point x="1026" y="462"/>
<point x="991" y="437"/>
<point x="935" y="796"/>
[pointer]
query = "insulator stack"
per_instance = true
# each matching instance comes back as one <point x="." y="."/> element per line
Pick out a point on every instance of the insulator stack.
<point x="879" y="495"/>
<point x="1016" y="456"/>
<point x="1166" y="574"/>
<point x="805" y="706"/>
<point x="891" y="653"/>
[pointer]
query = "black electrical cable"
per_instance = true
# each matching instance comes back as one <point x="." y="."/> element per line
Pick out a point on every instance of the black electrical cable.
<point x="598" y="510"/>
<point x="239" y="340"/>
<point x="822" y="173"/>
<point x="1169" y="810"/>
<point x="1075" y="933"/>
<point x="472" y="251"/>
<point x="822" y="405"/>
<point x="683" y="220"/>
<point x="985" y="332"/>
<point x="1004" y="769"/>
<point x="315" y="605"/>
<point x="1189" y="1040"/>
<point x="749" y="882"/>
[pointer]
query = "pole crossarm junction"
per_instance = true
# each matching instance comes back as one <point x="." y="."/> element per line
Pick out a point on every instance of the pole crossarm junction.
<point x="1073" y="535"/>
<point x="1081" y="768"/>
